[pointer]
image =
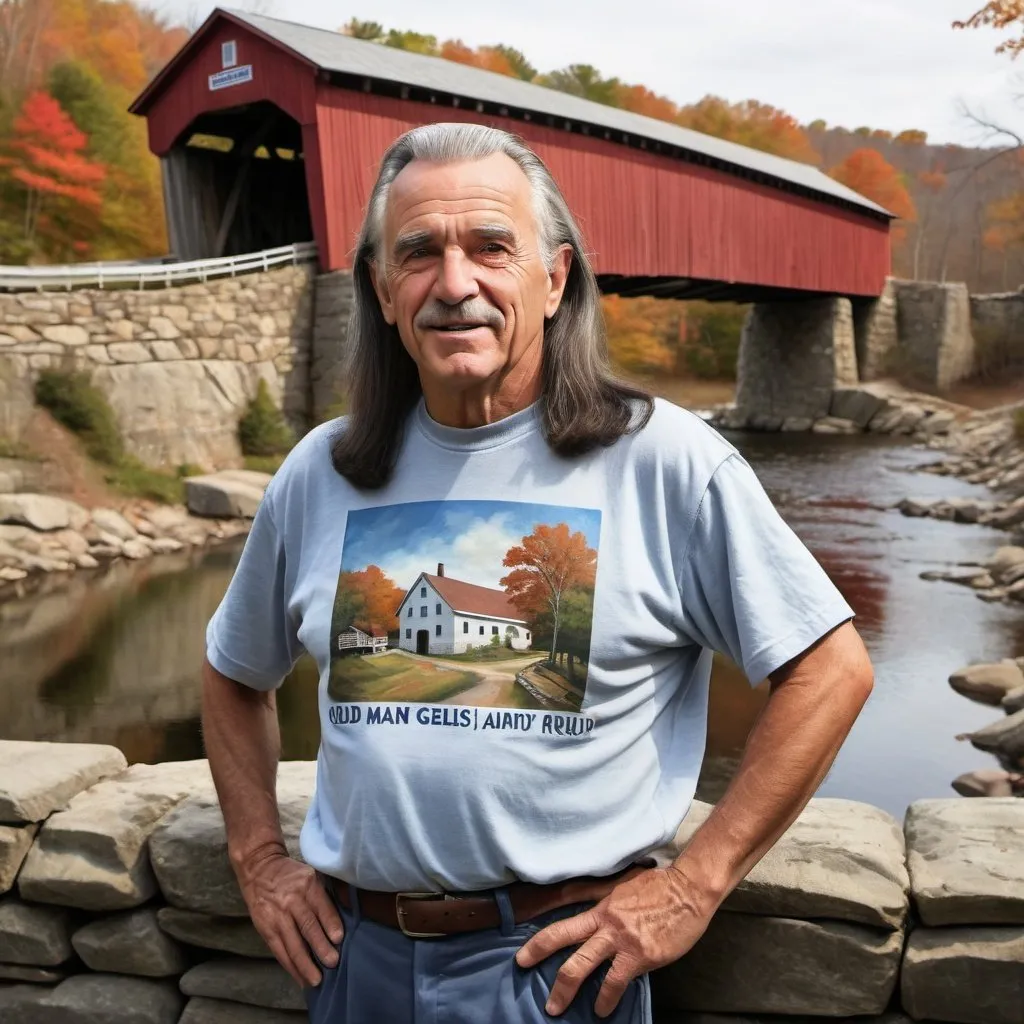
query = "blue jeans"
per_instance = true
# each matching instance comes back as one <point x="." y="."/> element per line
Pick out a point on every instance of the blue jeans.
<point x="383" y="977"/>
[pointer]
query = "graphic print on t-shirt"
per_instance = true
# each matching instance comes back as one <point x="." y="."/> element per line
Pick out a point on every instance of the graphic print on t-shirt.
<point x="482" y="603"/>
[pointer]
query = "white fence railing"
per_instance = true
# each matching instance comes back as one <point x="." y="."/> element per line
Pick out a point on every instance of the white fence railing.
<point x="149" y="275"/>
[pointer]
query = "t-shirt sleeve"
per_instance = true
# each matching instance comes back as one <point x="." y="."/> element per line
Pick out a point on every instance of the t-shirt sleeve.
<point x="750" y="588"/>
<point x="251" y="637"/>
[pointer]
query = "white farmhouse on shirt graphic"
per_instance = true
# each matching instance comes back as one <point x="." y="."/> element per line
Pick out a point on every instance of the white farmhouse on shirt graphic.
<point x="441" y="615"/>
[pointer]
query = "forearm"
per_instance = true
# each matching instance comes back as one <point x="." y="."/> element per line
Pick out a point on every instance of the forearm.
<point x="788" y="753"/>
<point x="243" y="744"/>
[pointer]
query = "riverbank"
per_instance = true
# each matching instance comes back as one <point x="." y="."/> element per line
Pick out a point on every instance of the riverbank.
<point x="119" y="905"/>
<point x="44" y="535"/>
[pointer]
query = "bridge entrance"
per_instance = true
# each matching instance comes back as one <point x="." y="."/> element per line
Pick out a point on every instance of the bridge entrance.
<point x="235" y="182"/>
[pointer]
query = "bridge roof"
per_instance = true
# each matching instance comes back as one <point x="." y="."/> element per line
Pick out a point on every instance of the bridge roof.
<point x="334" y="52"/>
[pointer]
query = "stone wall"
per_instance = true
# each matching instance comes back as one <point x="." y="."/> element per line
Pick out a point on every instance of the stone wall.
<point x="118" y="905"/>
<point x="793" y="355"/>
<point x="875" y="330"/>
<point x="331" y="310"/>
<point x="936" y="346"/>
<point x="178" y="364"/>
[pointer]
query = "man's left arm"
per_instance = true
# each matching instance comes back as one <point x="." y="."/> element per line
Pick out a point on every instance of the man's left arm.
<point x="657" y="916"/>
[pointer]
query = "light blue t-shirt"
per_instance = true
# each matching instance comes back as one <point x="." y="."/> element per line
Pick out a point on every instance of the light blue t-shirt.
<point x="457" y="751"/>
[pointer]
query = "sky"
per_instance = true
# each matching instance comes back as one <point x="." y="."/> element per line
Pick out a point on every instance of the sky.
<point x="890" y="64"/>
<point x="469" y="537"/>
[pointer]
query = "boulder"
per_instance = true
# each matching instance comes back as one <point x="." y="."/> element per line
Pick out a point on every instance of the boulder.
<point x="32" y="975"/>
<point x="36" y="936"/>
<point x="840" y="859"/>
<point x="796" y="424"/>
<point x="987" y="683"/>
<point x="856" y="405"/>
<point x="227" y="934"/>
<point x="969" y="975"/>
<point x="94" y="854"/>
<point x="988" y="782"/>
<point x="917" y="508"/>
<point x="40" y="511"/>
<point x="250" y="477"/>
<point x="200" y="1010"/>
<point x="130" y="943"/>
<point x="254" y="982"/>
<point x="834" y="425"/>
<point x="39" y="778"/>
<point x="965" y="860"/>
<point x="94" y="999"/>
<point x="1005" y="737"/>
<point x="15" y="843"/>
<point x="1013" y="701"/>
<point x="221" y="497"/>
<point x="751" y="964"/>
<point x="1005" y="560"/>
<point x="938" y="423"/>
<point x="189" y="848"/>
<point x="111" y="521"/>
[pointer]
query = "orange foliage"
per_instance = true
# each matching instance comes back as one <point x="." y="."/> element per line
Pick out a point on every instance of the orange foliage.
<point x="550" y="562"/>
<point x="487" y="58"/>
<point x="1000" y="15"/>
<point x="640" y="100"/>
<point x="868" y="172"/>
<point x="750" y="123"/>
<point x="380" y="597"/>
<point x="639" y="332"/>
<point x="912" y="137"/>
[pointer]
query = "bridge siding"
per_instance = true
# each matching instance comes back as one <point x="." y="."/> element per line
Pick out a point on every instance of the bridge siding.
<point x="643" y="214"/>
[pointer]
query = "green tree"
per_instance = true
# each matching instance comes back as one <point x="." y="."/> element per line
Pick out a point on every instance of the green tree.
<point x="586" y="81"/>
<point x="415" y="42"/>
<point x="517" y="61"/>
<point x="372" y="31"/>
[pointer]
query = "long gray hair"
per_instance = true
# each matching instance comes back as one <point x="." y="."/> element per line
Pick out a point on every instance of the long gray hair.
<point x="581" y="404"/>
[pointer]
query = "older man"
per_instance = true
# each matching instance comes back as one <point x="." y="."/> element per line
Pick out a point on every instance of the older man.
<point x="462" y="863"/>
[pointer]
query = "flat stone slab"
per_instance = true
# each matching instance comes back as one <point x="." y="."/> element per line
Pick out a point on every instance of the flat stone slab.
<point x="93" y="999"/>
<point x="39" y="511"/>
<point x="33" y="975"/>
<point x="969" y="975"/>
<point x="15" y="842"/>
<point x="255" y="982"/>
<point x="37" y="779"/>
<point x="228" y="934"/>
<point x="34" y="936"/>
<point x="966" y="860"/>
<point x="840" y="859"/>
<point x="201" y="1010"/>
<point x="746" y="963"/>
<point x="94" y="854"/>
<point x="222" y="497"/>
<point x="130" y="943"/>
<point x="189" y="852"/>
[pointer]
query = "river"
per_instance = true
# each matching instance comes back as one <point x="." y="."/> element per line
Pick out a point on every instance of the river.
<point x="112" y="657"/>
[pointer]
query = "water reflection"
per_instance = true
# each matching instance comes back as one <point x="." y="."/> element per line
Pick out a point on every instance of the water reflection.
<point x="114" y="657"/>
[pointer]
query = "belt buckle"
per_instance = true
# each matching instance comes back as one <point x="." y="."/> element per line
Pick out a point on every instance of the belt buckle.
<point x="401" y="912"/>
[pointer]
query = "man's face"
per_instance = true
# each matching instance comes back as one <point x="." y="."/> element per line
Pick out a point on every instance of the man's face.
<point x="463" y="277"/>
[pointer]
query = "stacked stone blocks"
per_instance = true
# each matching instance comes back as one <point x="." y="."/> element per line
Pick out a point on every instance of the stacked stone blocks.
<point x="119" y="905"/>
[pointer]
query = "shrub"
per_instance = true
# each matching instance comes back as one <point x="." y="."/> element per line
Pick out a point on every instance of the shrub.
<point x="74" y="401"/>
<point x="262" y="430"/>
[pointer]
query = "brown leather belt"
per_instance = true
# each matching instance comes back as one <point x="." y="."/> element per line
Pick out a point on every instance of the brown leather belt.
<point x="435" y="915"/>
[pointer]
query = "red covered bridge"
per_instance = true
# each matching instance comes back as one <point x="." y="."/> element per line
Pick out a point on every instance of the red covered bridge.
<point x="271" y="132"/>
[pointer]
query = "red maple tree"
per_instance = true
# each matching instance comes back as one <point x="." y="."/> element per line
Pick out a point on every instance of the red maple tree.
<point x="45" y="156"/>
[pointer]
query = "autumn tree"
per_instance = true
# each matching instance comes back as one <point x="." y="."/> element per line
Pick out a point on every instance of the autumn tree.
<point x="517" y="61"/>
<point x="371" y="31"/>
<point x="1002" y="15"/>
<point x="549" y="563"/>
<point x="868" y="173"/>
<point x="367" y="599"/>
<point x="931" y="188"/>
<point x="59" y="184"/>
<point x="585" y="81"/>
<point x="750" y="123"/>
<point x="640" y="332"/>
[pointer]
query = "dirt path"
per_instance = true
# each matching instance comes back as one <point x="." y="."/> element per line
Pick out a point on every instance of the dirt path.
<point x="495" y="679"/>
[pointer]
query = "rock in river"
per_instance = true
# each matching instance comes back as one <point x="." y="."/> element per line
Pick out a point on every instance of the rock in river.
<point x="988" y="782"/>
<point x="1005" y="737"/>
<point x="988" y="683"/>
<point x="965" y="861"/>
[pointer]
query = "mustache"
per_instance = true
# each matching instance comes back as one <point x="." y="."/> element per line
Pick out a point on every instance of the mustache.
<point x="476" y="311"/>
